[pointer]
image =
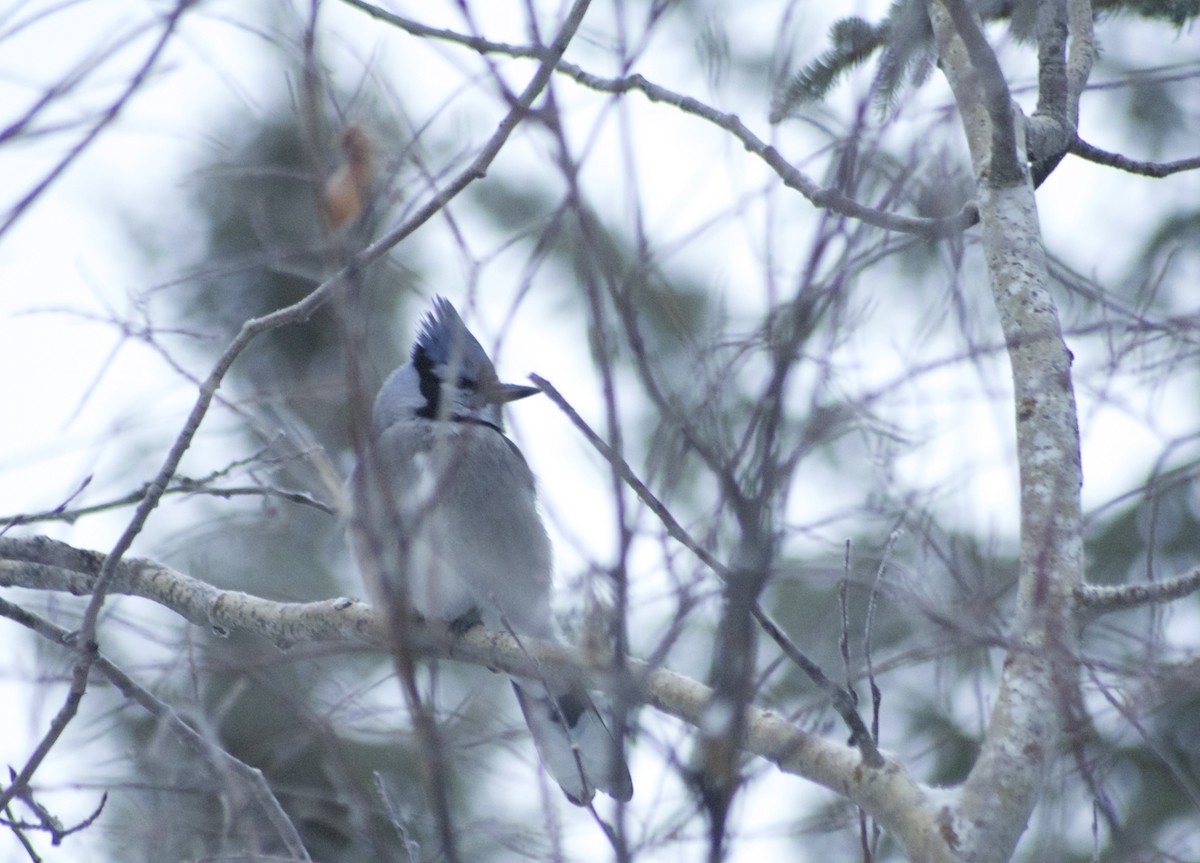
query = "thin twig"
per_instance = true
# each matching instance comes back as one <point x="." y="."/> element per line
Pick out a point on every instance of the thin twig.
<point x="181" y="485"/>
<point x="135" y="83"/>
<point x="841" y="700"/>
<point x="1181" y="775"/>
<point x="1084" y="150"/>
<point x="674" y="529"/>
<point x="843" y="703"/>
<point x="412" y="847"/>
<point x="869" y="630"/>
<point x="844" y="610"/>
<point x="825" y="197"/>
<point x="211" y="752"/>
<point x="46" y="822"/>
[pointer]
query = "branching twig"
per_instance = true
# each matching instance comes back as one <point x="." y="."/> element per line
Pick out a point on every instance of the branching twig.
<point x="135" y="83"/>
<point x="46" y="823"/>
<point x="209" y="750"/>
<point x="841" y="699"/>
<point x="180" y="485"/>
<point x="825" y="197"/>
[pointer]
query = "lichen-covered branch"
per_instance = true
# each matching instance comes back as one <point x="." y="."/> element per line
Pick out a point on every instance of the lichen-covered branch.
<point x="915" y="815"/>
<point x="1000" y="162"/>
<point x="1095" y="600"/>
<point x="1062" y="76"/>
<point x="1039" y="689"/>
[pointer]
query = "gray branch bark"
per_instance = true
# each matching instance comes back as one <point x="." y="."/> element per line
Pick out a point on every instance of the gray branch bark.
<point x="918" y="816"/>
<point x="1039" y="693"/>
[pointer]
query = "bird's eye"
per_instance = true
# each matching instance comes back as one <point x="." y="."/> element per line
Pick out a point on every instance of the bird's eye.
<point x="465" y="383"/>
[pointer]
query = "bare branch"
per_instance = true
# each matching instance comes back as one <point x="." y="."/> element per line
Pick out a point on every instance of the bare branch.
<point x="210" y="751"/>
<point x="135" y="83"/>
<point x="841" y="699"/>
<point x="1005" y="164"/>
<point x="829" y="198"/>
<point x="901" y="805"/>
<point x="44" y="564"/>
<point x="1039" y="696"/>
<point x="1084" y="150"/>
<point x="1081" y="27"/>
<point x="1062" y="78"/>
<point x="674" y="529"/>
<point x="1050" y="129"/>
<point x="1052" y="60"/>
<point x="1095" y="600"/>
<point x="416" y="28"/>
<point x="180" y="485"/>
<point x="46" y="822"/>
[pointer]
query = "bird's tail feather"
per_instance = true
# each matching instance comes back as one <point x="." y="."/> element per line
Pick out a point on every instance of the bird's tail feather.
<point x="574" y="744"/>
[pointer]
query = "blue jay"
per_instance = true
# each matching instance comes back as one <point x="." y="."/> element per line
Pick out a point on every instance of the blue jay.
<point x="471" y="546"/>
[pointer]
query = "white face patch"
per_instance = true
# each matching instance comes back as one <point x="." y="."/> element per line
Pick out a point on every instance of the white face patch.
<point x="399" y="399"/>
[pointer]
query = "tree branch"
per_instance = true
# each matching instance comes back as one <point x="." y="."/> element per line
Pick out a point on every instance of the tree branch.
<point x="206" y="748"/>
<point x="1005" y="165"/>
<point x="829" y="198"/>
<point x="1052" y="60"/>
<point x="1084" y="150"/>
<point x="1095" y="600"/>
<point x="1050" y="130"/>
<point x="1039" y="696"/>
<point x="908" y="810"/>
<point x="135" y="83"/>
<point x="179" y="485"/>
<point x="1062" y="77"/>
<point x="840" y="698"/>
<point x="1080" y="55"/>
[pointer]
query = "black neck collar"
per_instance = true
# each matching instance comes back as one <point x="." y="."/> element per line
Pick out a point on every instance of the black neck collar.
<point x="479" y="422"/>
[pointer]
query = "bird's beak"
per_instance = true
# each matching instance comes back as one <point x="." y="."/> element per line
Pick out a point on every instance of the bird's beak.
<point x="503" y="393"/>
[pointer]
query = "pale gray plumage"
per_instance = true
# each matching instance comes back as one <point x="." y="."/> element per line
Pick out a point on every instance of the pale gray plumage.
<point x="448" y="511"/>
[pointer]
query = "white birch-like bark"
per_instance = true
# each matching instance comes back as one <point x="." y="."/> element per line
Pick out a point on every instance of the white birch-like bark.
<point x="1039" y="686"/>
<point x="916" y="815"/>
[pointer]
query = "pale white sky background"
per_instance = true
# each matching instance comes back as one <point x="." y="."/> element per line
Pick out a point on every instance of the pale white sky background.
<point x="77" y="393"/>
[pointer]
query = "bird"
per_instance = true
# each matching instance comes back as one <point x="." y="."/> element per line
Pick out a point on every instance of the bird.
<point x="445" y="515"/>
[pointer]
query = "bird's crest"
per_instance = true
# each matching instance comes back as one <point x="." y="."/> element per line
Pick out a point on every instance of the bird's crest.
<point x="443" y="337"/>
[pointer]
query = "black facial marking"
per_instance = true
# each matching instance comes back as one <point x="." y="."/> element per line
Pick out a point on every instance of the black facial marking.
<point x="431" y="387"/>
